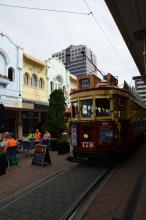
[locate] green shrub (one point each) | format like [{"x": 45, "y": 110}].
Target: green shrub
[
  {"x": 54, "y": 141},
  {"x": 3, "y": 156},
  {"x": 55, "y": 116},
  {"x": 62, "y": 144}
]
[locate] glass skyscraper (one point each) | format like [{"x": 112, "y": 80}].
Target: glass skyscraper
[{"x": 75, "y": 62}]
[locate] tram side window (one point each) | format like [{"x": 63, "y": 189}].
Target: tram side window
[
  {"x": 102, "y": 107},
  {"x": 87, "y": 108},
  {"x": 74, "y": 108},
  {"x": 119, "y": 107}
]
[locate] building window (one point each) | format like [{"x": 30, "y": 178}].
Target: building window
[
  {"x": 57, "y": 83},
  {"x": 11, "y": 74},
  {"x": 79, "y": 49},
  {"x": 51, "y": 86},
  {"x": 40, "y": 83},
  {"x": 25, "y": 79},
  {"x": 33, "y": 81}
]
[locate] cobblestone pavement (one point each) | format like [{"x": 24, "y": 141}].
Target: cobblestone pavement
[
  {"x": 112, "y": 200},
  {"x": 53, "y": 199},
  {"x": 17, "y": 178}
]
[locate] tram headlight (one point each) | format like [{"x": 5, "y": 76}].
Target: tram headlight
[{"x": 86, "y": 135}]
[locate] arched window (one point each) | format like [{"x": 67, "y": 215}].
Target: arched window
[
  {"x": 57, "y": 83},
  {"x": 2, "y": 64},
  {"x": 40, "y": 83},
  {"x": 51, "y": 86},
  {"x": 25, "y": 79},
  {"x": 11, "y": 74},
  {"x": 33, "y": 81}
]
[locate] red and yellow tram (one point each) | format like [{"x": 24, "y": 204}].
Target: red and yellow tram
[{"x": 105, "y": 118}]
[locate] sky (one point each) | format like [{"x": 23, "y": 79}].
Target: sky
[{"x": 43, "y": 33}]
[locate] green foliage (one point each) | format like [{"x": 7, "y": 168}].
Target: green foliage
[
  {"x": 55, "y": 116},
  {"x": 3, "y": 156},
  {"x": 62, "y": 144},
  {"x": 54, "y": 141}
]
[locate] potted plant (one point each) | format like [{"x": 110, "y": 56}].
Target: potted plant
[
  {"x": 53, "y": 143},
  {"x": 3, "y": 163},
  {"x": 63, "y": 147}
]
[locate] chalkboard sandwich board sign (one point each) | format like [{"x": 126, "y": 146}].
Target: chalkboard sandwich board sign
[{"x": 40, "y": 155}]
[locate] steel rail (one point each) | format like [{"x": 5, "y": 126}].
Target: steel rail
[{"x": 36, "y": 184}]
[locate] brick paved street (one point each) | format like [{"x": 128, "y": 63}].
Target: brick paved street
[
  {"x": 52, "y": 199},
  {"x": 17, "y": 178},
  {"x": 113, "y": 198}
]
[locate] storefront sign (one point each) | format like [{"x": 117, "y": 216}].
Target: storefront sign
[
  {"x": 105, "y": 133},
  {"x": 84, "y": 83},
  {"x": 74, "y": 135},
  {"x": 40, "y": 156},
  {"x": 7, "y": 103}
]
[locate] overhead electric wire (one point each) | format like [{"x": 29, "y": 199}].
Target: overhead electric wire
[
  {"x": 107, "y": 37},
  {"x": 44, "y": 9}
]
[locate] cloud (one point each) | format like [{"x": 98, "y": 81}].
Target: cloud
[{"x": 43, "y": 33}]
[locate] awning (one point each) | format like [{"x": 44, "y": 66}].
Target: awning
[
  {"x": 35, "y": 59},
  {"x": 68, "y": 110}
]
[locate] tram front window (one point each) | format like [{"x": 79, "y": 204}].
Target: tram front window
[
  {"x": 87, "y": 108},
  {"x": 102, "y": 107},
  {"x": 74, "y": 109}
]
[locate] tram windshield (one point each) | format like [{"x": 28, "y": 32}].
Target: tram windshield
[
  {"x": 74, "y": 109},
  {"x": 87, "y": 108},
  {"x": 102, "y": 107}
]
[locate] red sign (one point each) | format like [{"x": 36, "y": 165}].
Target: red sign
[{"x": 68, "y": 110}]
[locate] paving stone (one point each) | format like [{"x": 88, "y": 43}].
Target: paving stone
[
  {"x": 48, "y": 215},
  {"x": 13, "y": 213},
  {"x": 26, "y": 209},
  {"x": 3, "y": 217},
  {"x": 37, "y": 212},
  {"x": 37, "y": 218},
  {"x": 24, "y": 216}
]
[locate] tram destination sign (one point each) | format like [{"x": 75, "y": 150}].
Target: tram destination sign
[{"x": 84, "y": 83}]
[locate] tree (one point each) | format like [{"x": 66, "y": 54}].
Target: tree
[{"x": 55, "y": 116}]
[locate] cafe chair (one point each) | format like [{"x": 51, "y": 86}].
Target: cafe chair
[
  {"x": 19, "y": 146},
  {"x": 11, "y": 152},
  {"x": 27, "y": 145}
]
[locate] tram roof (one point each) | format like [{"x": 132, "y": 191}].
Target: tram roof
[{"x": 130, "y": 17}]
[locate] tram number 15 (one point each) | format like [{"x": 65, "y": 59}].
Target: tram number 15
[{"x": 87, "y": 144}]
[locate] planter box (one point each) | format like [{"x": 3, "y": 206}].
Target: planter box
[
  {"x": 3, "y": 165},
  {"x": 63, "y": 150},
  {"x": 4, "y": 81},
  {"x": 54, "y": 147}
]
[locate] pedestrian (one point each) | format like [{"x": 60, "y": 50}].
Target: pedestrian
[
  {"x": 31, "y": 135},
  {"x": 47, "y": 134},
  {"x": 37, "y": 134},
  {"x": 6, "y": 135},
  {"x": 10, "y": 142}
]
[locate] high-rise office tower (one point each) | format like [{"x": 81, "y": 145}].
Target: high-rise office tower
[
  {"x": 75, "y": 62},
  {"x": 141, "y": 88}
]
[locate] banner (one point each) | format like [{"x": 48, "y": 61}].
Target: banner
[{"x": 105, "y": 132}]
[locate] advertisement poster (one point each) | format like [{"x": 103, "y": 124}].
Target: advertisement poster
[
  {"x": 74, "y": 136},
  {"x": 105, "y": 132}
]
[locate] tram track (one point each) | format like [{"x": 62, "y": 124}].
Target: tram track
[
  {"x": 8, "y": 200},
  {"x": 76, "y": 209},
  {"x": 79, "y": 208}
]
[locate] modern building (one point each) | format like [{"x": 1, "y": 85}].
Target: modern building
[
  {"x": 58, "y": 78},
  {"x": 141, "y": 88},
  {"x": 11, "y": 64},
  {"x": 34, "y": 93},
  {"x": 75, "y": 62}
]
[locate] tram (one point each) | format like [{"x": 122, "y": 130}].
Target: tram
[{"x": 105, "y": 119}]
